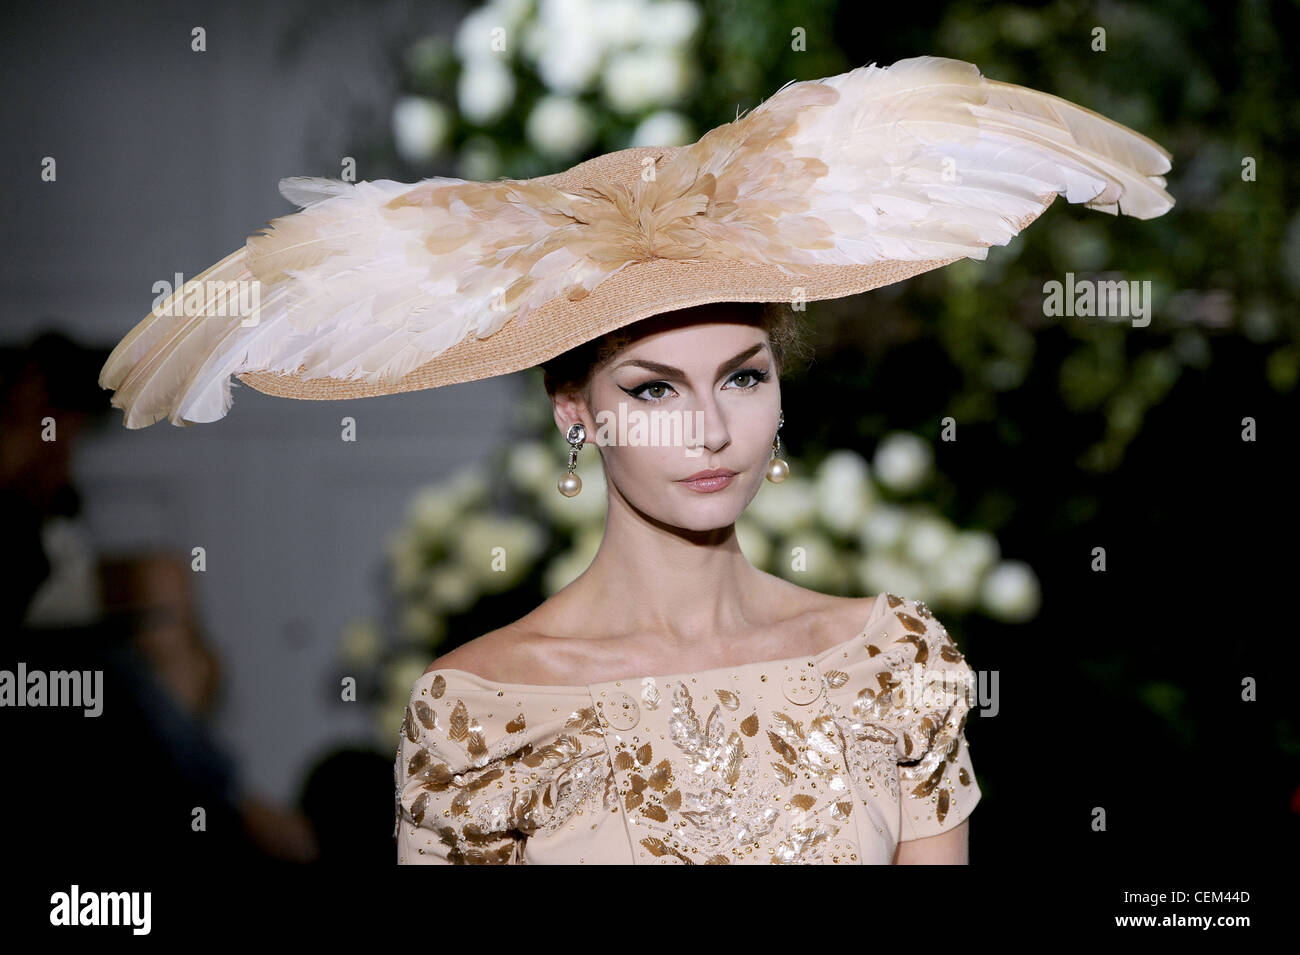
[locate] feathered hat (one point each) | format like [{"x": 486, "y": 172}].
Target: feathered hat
[{"x": 828, "y": 188}]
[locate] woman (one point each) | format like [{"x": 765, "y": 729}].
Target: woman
[
  {"x": 670, "y": 612},
  {"x": 673, "y": 704}
]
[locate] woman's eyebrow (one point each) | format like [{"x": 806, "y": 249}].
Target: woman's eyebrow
[{"x": 671, "y": 372}]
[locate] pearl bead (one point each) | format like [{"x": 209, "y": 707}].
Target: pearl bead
[
  {"x": 570, "y": 484},
  {"x": 777, "y": 470}
]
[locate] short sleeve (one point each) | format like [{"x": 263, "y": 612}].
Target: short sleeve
[
  {"x": 936, "y": 781},
  {"x": 445, "y": 813}
]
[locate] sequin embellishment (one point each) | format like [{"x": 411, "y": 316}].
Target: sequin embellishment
[{"x": 793, "y": 762}]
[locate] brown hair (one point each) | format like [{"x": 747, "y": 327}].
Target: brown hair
[{"x": 572, "y": 370}]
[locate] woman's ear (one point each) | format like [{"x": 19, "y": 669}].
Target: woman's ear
[{"x": 570, "y": 407}]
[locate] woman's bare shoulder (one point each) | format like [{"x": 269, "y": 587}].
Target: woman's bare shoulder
[
  {"x": 831, "y": 607},
  {"x": 497, "y": 655},
  {"x": 843, "y": 618}
]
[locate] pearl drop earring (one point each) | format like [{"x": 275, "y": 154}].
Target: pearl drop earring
[
  {"x": 778, "y": 469},
  {"x": 570, "y": 484}
]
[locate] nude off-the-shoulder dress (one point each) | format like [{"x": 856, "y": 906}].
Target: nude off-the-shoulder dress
[{"x": 826, "y": 759}]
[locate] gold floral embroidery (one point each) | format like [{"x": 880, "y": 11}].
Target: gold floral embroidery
[
  {"x": 482, "y": 824},
  {"x": 910, "y": 622},
  {"x": 896, "y": 744},
  {"x": 731, "y": 807},
  {"x": 922, "y": 648},
  {"x": 743, "y": 783},
  {"x": 725, "y": 806}
]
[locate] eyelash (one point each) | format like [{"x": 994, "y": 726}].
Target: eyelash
[{"x": 758, "y": 374}]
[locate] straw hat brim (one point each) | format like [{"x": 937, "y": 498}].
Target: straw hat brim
[{"x": 638, "y": 291}]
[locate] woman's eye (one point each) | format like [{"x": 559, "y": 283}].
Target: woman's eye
[
  {"x": 644, "y": 391},
  {"x": 756, "y": 375}
]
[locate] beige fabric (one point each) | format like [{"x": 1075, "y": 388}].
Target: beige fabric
[{"x": 825, "y": 759}]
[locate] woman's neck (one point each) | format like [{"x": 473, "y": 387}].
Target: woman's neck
[{"x": 689, "y": 588}]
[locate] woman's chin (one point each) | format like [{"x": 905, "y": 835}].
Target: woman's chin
[{"x": 707, "y": 515}]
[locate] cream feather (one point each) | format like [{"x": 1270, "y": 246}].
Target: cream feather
[{"x": 924, "y": 159}]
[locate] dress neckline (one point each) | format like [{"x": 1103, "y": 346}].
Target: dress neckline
[{"x": 877, "y": 610}]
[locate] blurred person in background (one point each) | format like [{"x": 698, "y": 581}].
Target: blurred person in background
[{"x": 129, "y": 780}]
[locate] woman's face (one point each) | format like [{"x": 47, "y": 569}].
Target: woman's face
[{"x": 713, "y": 383}]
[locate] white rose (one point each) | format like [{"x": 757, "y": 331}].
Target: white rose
[
  {"x": 621, "y": 23},
  {"x": 883, "y": 528},
  {"x": 903, "y": 461},
  {"x": 671, "y": 23},
  {"x": 519, "y": 541},
  {"x": 560, "y": 127},
  {"x": 485, "y": 90},
  {"x": 844, "y": 490},
  {"x": 510, "y": 13},
  {"x": 1011, "y": 592},
  {"x": 818, "y": 567},
  {"x": 663, "y": 128},
  {"x": 475, "y": 37},
  {"x": 432, "y": 511},
  {"x": 884, "y": 573},
  {"x": 566, "y": 45},
  {"x": 785, "y": 507},
  {"x": 453, "y": 587},
  {"x": 531, "y": 467},
  {"x": 420, "y": 128},
  {"x": 953, "y": 583},
  {"x": 925, "y": 538},
  {"x": 976, "y": 551},
  {"x": 646, "y": 78}
]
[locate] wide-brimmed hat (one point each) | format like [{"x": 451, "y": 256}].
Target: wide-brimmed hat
[{"x": 828, "y": 188}]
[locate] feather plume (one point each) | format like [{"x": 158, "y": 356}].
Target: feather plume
[{"x": 925, "y": 159}]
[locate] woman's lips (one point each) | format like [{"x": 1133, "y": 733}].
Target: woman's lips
[{"x": 707, "y": 485}]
